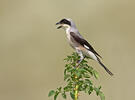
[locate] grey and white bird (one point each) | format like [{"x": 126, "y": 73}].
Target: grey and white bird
[{"x": 77, "y": 42}]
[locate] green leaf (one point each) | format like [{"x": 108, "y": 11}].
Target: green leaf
[
  {"x": 97, "y": 90},
  {"x": 96, "y": 74},
  {"x": 70, "y": 70},
  {"x": 78, "y": 74},
  {"x": 68, "y": 80},
  {"x": 102, "y": 97},
  {"x": 90, "y": 90},
  {"x": 64, "y": 95},
  {"x": 84, "y": 61},
  {"x": 59, "y": 89},
  {"x": 65, "y": 71},
  {"x": 88, "y": 81},
  {"x": 67, "y": 88},
  {"x": 72, "y": 95},
  {"x": 86, "y": 75},
  {"x": 99, "y": 87},
  {"x": 56, "y": 95},
  {"x": 66, "y": 77},
  {"x": 52, "y": 92},
  {"x": 82, "y": 70},
  {"x": 81, "y": 82},
  {"x": 86, "y": 88}
]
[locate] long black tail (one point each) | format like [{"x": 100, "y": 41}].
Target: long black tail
[{"x": 107, "y": 70}]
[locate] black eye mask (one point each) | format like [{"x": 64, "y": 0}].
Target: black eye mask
[{"x": 65, "y": 21}]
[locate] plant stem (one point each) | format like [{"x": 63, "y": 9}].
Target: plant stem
[
  {"x": 76, "y": 87},
  {"x": 76, "y": 92}
]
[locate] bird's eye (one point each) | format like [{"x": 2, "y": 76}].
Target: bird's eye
[{"x": 63, "y": 21}]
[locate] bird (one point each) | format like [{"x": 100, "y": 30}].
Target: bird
[{"x": 78, "y": 43}]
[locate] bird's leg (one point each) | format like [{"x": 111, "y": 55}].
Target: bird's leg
[
  {"x": 79, "y": 61},
  {"x": 81, "y": 57}
]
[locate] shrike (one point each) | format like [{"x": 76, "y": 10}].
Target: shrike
[{"x": 77, "y": 42}]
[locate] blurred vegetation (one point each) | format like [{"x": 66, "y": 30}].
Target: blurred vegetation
[{"x": 78, "y": 79}]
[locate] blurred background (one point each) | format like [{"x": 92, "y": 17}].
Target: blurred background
[{"x": 32, "y": 49}]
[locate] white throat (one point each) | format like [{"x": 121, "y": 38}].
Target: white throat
[{"x": 67, "y": 29}]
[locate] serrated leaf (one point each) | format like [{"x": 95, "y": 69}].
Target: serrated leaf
[
  {"x": 52, "y": 92},
  {"x": 64, "y": 95}
]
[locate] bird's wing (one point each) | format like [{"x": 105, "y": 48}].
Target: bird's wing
[{"x": 84, "y": 43}]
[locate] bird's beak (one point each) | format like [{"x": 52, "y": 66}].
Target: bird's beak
[
  {"x": 58, "y": 23},
  {"x": 59, "y": 26}
]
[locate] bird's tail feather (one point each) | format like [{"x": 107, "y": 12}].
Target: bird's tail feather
[{"x": 107, "y": 70}]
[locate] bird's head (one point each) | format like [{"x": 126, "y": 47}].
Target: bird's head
[{"x": 65, "y": 23}]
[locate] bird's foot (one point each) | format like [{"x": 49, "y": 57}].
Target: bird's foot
[{"x": 79, "y": 61}]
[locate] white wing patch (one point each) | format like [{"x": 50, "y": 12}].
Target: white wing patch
[
  {"x": 92, "y": 56},
  {"x": 86, "y": 47}
]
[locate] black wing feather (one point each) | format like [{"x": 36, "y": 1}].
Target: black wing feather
[{"x": 83, "y": 42}]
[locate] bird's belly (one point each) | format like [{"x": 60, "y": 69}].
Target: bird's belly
[
  {"x": 71, "y": 44},
  {"x": 89, "y": 54},
  {"x": 85, "y": 52}
]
